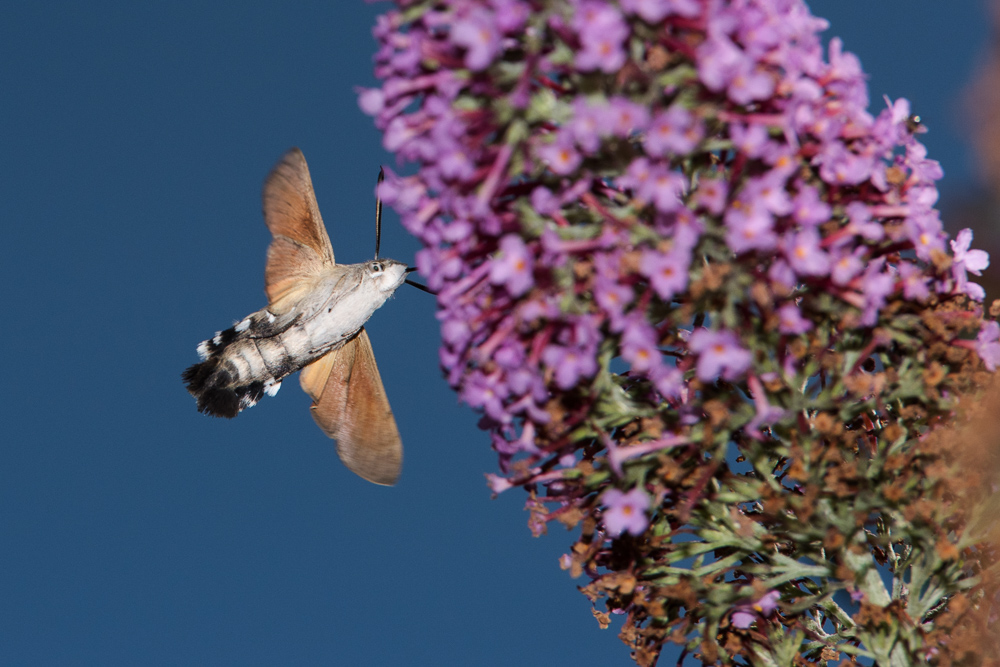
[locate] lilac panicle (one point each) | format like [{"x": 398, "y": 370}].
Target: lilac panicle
[{"x": 666, "y": 234}]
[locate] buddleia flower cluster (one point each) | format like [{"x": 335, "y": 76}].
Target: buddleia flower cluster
[{"x": 707, "y": 310}]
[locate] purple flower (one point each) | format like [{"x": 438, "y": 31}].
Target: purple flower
[
  {"x": 478, "y": 34},
  {"x": 669, "y": 380},
  {"x": 639, "y": 346},
  {"x": 860, "y": 216},
  {"x": 743, "y": 619},
  {"x": 711, "y": 194},
  {"x": 453, "y": 162},
  {"x": 804, "y": 254},
  {"x": 666, "y": 188},
  {"x": 674, "y": 131},
  {"x": 790, "y": 320},
  {"x": 626, "y": 512},
  {"x": 988, "y": 344},
  {"x": 651, "y": 11},
  {"x": 781, "y": 274},
  {"x": 654, "y": 11},
  {"x": 513, "y": 266},
  {"x": 654, "y": 183},
  {"x": 569, "y": 363},
  {"x": 667, "y": 272},
  {"x": 560, "y": 156},
  {"x": 767, "y": 414},
  {"x": 749, "y": 139},
  {"x": 455, "y": 332},
  {"x": 744, "y": 615},
  {"x": 968, "y": 260},
  {"x": 845, "y": 267},
  {"x": 719, "y": 352},
  {"x": 371, "y": 100},
  {"x": 808, "y": 209},
  {"x": 770, "y": 191},
  {"x": 876, "y": 286},
  {"x": 750, "y": 83},
  {"x": 839, "y": 166},
  {"x": 925, "y": 232},
  {"x": 498, "y": 484},
  {"x": 923, "y": 169},
  {"x": 718, "y": 61},
  {"x": 622, "y": 116},
  {"x": 587, "y": 124},
  {"x": 749, "y": 226},
  {"x": 397, "y": 134},
  {"x": 482, "y": 391},
  {"x": 684, "y": 227},
  {"x": 543, "y": 201},
  {"x": 914, "y": 282},
  {"x": 510, "y": 14},
  {"x": 602, "y": 31},
  {"x": 638, "y": 178},
  {"x": 612, "y": 297}
]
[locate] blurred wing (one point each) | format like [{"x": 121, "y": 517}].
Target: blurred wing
[
  {"x": 301, "y": 247},
  {"x": 350, "y": 405}
]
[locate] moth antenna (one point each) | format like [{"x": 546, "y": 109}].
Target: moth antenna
[{"x": 378, "y": 211}]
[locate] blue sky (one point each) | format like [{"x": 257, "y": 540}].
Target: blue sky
[{"x": 133, "y": 530}]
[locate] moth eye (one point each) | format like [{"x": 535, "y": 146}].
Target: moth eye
[{"x": 376, "y": 267}]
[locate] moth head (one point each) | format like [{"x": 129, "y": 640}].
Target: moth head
[{"x": 386, "y": 274}]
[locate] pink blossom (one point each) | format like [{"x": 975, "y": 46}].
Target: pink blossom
[
  {"x": 973, "y": 261},
  {"x": 790, "y": 320},
  {"x": 719, "y": 353},
  {"x": 805, "y": 255},
  {"x": 602, "y": 33},
  {"x": 513, "y": 266},
  {"x": 667, "y": 272},
  {"x": 988, "y": 345},
  {"x": 674, "y": 131},
  {"x": 560, "y": 156},
  {"x": 478, "y": 34},
  {"x": 625, "y": 512},
  {"x": 745, "y": 615}
]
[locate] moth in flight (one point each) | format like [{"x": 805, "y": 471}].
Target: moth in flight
[{"x": 314, "y": 322}]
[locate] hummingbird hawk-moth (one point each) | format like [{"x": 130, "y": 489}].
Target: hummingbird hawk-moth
[{"x": 314, "y": 322}]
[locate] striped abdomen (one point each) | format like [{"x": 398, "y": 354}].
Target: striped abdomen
[{"x": 246, "y": 361}]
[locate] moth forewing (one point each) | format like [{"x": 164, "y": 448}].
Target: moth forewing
[
  {"x": 290, "y": 207},
  {"x": 291, "y": 269}
]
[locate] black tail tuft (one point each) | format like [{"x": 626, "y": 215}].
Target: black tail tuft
[{"x": 213, "y": 387}]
